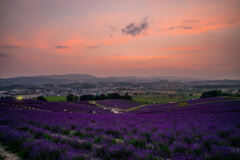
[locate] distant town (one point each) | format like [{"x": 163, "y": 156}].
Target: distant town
[{"x": 138, "y": 88}]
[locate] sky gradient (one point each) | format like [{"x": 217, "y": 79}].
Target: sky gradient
[{"x": 192, "y": 38}]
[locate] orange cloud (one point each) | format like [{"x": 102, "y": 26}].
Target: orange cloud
[
  {"x": 196, "y": 25},
  {"x": 13, "y": 41},
  {"x": 39, "y": 40},
  {"x": 180, "y": 48}
]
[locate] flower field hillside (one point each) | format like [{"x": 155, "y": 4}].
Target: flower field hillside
[{"x": 35, "y": 130}]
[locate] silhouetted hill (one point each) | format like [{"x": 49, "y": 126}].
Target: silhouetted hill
[{"x": 86, "y": 79}]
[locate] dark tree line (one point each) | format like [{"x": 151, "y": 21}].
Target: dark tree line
[
  {"x": 41, "y": 98},
  {"x": 72, "y": 98},
  {"x": 214, "y": 93}
]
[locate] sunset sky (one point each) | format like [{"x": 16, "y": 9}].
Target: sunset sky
[{"x": 192, "y": 38}]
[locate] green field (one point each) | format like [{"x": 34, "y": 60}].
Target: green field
[{"x": 56, "y": 98}]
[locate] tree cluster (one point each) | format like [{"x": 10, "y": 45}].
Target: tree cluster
[
  {"x": 41, "y": 98},
  {"x": 72, "y": 98},
  {"x": 214, "y": 93},
  {"x": 103, "y": 96}
]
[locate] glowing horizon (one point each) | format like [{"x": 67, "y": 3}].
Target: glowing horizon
[{"x": 120, "y": 38}]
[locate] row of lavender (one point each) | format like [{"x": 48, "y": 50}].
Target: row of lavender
[
  {"x": 191, "y": 104},
  {"x": 204, "y": 131},
  {"x": 210, "y": 107},
  {"x": 127, "y": 104},
  {"x": 83, "y": 107}
]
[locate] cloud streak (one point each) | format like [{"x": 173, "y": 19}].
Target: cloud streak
[
  {"x": 61, "y": 47},
  {"x": 135, "y": 29},
  {"x": 180, "y": 27},
  {"x": 3, "y": 55},
  {"x": 9, "y": 47}
]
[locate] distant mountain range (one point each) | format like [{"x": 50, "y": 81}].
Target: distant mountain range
[{"x": 86, "y": 78}]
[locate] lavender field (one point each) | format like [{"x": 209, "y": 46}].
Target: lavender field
[{"x": 202, "y": 130}]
